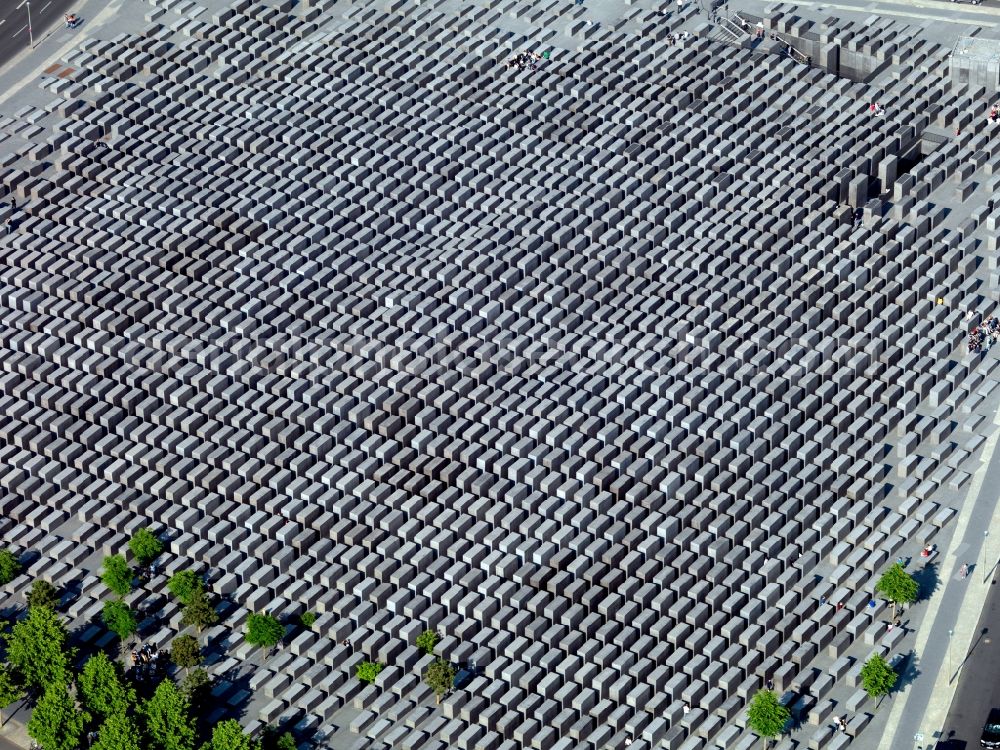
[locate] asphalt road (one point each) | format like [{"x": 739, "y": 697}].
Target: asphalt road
[
  {"x": 979, "y": 686},
  {"x": 14, "y": 23},
  {"x": 7, "y": 745}
]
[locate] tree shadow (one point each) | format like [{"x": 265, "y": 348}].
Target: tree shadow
[
  {"x": 70, "y": 592},
  {"x": 231, "y": 694},
  {"x": 907, "y": 671},
  {"x": 951, "y": 744},
  {"x": 928, "y": 580}
]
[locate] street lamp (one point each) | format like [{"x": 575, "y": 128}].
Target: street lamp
[
  {"x": 950, "y": 634},
  {"x": 987, "y": 573},
  {"x": 31, "y": 38}
]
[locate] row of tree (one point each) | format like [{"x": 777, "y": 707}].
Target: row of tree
[
  {"x": 768, "y": 717},
  {"x": 39, "y": 666}
]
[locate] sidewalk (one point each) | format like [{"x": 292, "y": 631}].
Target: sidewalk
[
  {"x": 55, "y": 43},
  {"x": 13, "y": 734},
  {"x": 919, "y": 712}
]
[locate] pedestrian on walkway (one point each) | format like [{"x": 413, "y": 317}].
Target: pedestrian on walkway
[
  {"x": 843, "y": 724},
  {"x": 13, "y": 204},
  {"x": 10, "y": 225}
]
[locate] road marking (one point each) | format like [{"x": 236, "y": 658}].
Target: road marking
[
  {"x": 45, "y": 6},
  {"x": 20, "y": 29}
]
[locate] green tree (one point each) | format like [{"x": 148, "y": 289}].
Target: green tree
[
  {"x": 272, "y": 740},
  {"x": 10, "y": 690},
  {"x": 102, "y": 687},
  {"x": 439, "y": 677},
  {"x": 877, "y": 677},
  {"x": 36, "y": 648},
  {"x": 56, "y": 723},
  {"x": 196, "y": 686},
  {"x": 168, "y": 719},
  {"x": 117, "y": 575},
  {"x": 10, "y": 566},
  {"x": 185, "y": 652},
  {"x": 308, "y": 619},
  {"x": 119, "y": 732},
  {"x": 183, "y": 584},
  {"x": 118, "y": 618},
  {"x": 367, "y": 671},
  {"x": 228, "y": 735},
  {"x": 145, "y": 546},
  {"x": 898, "y": 586},
  {"x": 766, "y": 715},
  {"x": 42, "y": 594},
  {"x": 264, "y": 630},
  {"x": 198, "y": 611},
  {"x": 427, "y": 640}
]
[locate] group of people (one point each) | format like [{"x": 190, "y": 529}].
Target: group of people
[
  {"x": 681, "y": 36},
  {"x": 524, "y": 61},
  {"x": 840, "y": 722},
  {"x": 72, "y": 19},
  {"x": 984, "y": 335},
  {"x": 876, "y": 109},
  {"x": 147, "y": 661}
]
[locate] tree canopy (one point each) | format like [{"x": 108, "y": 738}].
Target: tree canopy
[
  {"x": 42, "y": 594},
  {"x": 10, "y": 566},
  {"x": 196, "y": 685},
  {"x": 183, "y": 584},
  {"x": 169, "y": 724},
  {"x": 198, "y": 610},
  {"x": 440, "y": 677},
  {"x": 228, "y": 735},
  {"x": 118, "y": 618},
  {"x": 56, "y": 723},
  {"x": 766, "y": 715},
  {"x": 427, "y": 640},
  {"x": 36, "y": 648},
  {"x": 145, "y": 546},
  {"x": 308, "y": 619},
  {"x": 877, "y": 677},
  {"x": 117, "y": 575},
  {"x": 102, "y": 687},
  {"x": 264, "y": 630},
  {"x": 368, "y": 671},
  {"x": 119, "y": 732},
  {"x": 185, "y": 651},
  {"x": 274, "y": 739},
  {"x": 898, "y": 586}
]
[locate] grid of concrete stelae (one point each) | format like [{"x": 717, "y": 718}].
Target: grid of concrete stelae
[{"x": 588, "y": 367}]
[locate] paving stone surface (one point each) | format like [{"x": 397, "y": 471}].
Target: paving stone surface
[{"x": 628, "y": 371}]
